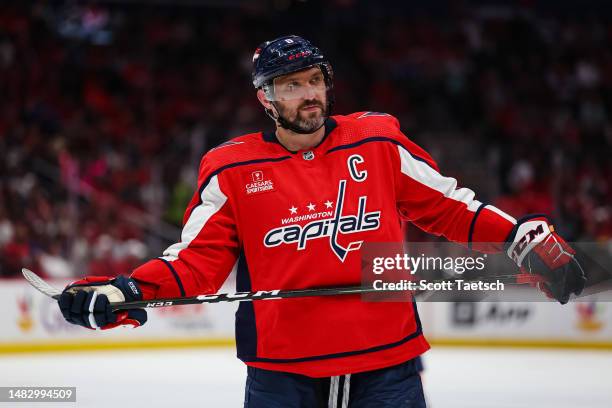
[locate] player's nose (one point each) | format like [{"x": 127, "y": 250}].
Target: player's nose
[{"x": 310, "y": 93}]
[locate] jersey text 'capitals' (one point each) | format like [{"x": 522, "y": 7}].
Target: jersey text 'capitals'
[{"x": 328, "y": 227}]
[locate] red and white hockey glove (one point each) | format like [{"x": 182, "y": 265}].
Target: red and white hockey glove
[
  {"x": 546, "y": 261},
  {"x": 87, "y": 302}
]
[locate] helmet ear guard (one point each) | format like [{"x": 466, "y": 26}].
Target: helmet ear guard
[{"x": 328, "y": 75}]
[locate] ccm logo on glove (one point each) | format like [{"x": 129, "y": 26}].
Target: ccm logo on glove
[{"x": 530, "y": 232}]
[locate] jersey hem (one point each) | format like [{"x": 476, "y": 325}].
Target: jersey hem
[{"x": 352, "y": 364}]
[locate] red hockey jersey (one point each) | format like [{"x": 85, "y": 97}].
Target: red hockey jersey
[{"x": 293, "y": 220}]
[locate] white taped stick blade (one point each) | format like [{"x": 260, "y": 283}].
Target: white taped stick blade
[{"x": 40, "y": 284}]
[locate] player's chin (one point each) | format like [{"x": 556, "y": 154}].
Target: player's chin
[
  {"x": 312, "y": 124},
  {"x": 311, "y": 116}
]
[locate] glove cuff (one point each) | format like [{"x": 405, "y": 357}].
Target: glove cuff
[{"x": 128, "y": 287}]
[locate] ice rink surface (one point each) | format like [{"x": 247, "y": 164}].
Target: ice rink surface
[{"x": 454, "y": 377}]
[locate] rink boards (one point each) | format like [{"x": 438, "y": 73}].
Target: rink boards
[{"x": 32, "y": 322}]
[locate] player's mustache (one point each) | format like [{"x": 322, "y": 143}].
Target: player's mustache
[{"x": 311, "y": 103}]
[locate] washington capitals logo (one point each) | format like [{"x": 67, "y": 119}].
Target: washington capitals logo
[{"x": 332, "y": 227}]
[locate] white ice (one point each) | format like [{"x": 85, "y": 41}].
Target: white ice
[{"x": 454, "y": 377}]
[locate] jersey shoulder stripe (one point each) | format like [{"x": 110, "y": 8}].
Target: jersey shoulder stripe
[
  {"x": 373, "y": 119},
  {"x": 239, "y": 149},
  {"x": 362, "y": 128}
]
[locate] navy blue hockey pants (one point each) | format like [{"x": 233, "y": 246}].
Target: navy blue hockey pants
[{"x": 391, "y": 387}]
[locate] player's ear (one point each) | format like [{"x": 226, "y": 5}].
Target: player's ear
[{"x": 261, "y": 95}]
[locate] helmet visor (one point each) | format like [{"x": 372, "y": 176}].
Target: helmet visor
[{"x": 307, "y": 84}]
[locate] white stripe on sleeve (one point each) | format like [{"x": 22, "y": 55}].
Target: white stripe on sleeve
[
  {"x": 212, "y": 200},
  {"x": 501, "y": 213},
  {"x": 424, "y": 174}
]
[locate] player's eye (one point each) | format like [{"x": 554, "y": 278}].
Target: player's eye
[
  {"x": 292, "y": 86},
  {"x": 316, "y": 80}
]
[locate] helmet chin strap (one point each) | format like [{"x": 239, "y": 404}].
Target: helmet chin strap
[{"x": 282, "y": 122}]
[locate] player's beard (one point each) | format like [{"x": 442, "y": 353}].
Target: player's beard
[{"x": 307, "y": 122}]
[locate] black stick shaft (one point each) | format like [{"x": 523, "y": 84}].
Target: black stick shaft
[
  {"x": 273, "y": 294},
  {"x": 242, "y": 296}
]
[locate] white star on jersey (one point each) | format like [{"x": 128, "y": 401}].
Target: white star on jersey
[
  {"x": 311, "y": 207},
  {"x": 329, "y": 204},
  {"x": 293, "y": 209}
]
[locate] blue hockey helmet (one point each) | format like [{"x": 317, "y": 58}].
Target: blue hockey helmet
[{"x": 285, "y": 55}]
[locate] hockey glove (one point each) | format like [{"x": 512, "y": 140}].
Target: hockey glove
[
  {"x": 87, "y": 302},
  {"x": 545, "y": 259}
]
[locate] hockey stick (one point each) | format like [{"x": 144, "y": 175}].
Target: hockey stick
[
  {"x": 40, "y": 284},
  {"x": 54, "y": 293}
]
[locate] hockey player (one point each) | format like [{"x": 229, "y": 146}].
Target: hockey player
[{"x": 289, "y": 209}]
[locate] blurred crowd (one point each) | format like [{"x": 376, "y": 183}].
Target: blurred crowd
[{"x": 106, "y": 110}]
